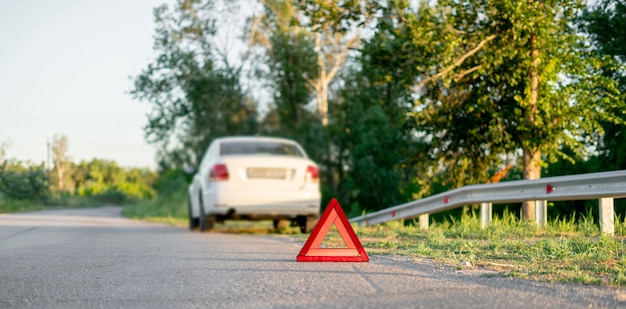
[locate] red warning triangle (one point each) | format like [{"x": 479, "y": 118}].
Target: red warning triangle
[{"x": 311, "y": 252}]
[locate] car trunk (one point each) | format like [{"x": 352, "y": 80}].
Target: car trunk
[{"x": 270, "y": 172}]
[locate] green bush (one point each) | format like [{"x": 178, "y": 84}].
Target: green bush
[
  {"x": 111, "y": 196},
  {"x": 24, "y": 181},
  {"x": 107, "y": 182},
  {"x": 170, "y": 206},
  {"x": 135, "y": 190},
  {"x": 173, "y": 181}
]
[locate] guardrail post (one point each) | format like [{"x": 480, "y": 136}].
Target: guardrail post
[
  {"x": 541, "y": 213},
  {"x": 485, "y": 214},
  {"x": 607, "y": 216},
  {"x": 423, "y": 221}
]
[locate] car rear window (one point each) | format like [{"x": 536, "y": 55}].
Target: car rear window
[{"x": 259, "y": 147}]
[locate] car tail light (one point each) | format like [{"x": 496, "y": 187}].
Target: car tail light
[
  {"x": 312, "y": 174},
  {"x": 219, "y": 172}
]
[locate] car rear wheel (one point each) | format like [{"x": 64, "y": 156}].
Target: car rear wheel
[
  {"x": 307, "y": 223},
  {"x": 193, "y": 222},
  {"x": 281, "y": 224},
  {"x": 205, "y": 223}
]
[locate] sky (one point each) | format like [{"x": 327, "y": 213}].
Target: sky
[{"x": 66, "y": 68}]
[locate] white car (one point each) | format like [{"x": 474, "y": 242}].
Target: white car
[{"x": 255, "y": 178}]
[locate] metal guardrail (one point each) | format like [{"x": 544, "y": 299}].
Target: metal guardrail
[{"x": 572, "y": 187}]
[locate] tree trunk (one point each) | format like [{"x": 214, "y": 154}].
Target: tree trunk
[
  {"x": 532, "y": 155},
  {"x": 322, "y": 82},
  {"x": 324, "y": 105},
  {"x": 60, "y": 174},
  {"x": 532, "y": 170}
]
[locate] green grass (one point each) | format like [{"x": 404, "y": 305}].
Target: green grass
[
  {"x": 565, "y": 251},
  {"x": 8, "y": 205},
  {"x": 168, "y": 209}
]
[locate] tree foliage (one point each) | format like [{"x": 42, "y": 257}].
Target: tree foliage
[
  {"x": 372, "y": 108},
  {"x": 21, "y": 181},
  {"x": 195, "y": 93},
  {"x": 287, "y": 56},
  {"x": 105, "y": 180},
  {"x": 605, "y": 23}
]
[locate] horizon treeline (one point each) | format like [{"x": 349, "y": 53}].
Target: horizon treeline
[{"x": 102, "y": 180}]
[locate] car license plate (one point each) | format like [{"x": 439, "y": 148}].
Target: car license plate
[{"x": 269, "y": 173}]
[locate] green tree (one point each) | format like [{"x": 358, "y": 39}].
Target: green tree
[
  {"x": 61, "y": 173},
  {"x": 105, "y": 180},
  {"x": 290, "y": 63},
  {"x": 495, "y": 81},
  {"x": 24, "y": 181},
  {"x": 605, "y": 23},
  {"x": 287, "y": 56},
  {"x": 195, "y": 93},
  {"x": 372, "y": 128},
  {"x": 513, "y": 78}
]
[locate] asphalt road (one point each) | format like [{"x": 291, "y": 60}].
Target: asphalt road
[{"x": 93, "y": 258}]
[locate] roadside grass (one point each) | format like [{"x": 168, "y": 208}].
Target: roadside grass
[
  {"x": 168, "y": 209},
  {"x": 565, "y": 251},
  {"x": 8, "y": 205}
]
